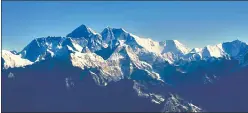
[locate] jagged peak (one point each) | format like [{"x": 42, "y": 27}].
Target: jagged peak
[
  {"x": 114, "y": 29},
  {"x": 237, "y": 41},
  {"x": 107, "y": 29},
  {"x": 121, "y": 29},
  {"x": 172, "y": 42},
  {"x": 172, "y": 45},
  {"x": 83, "y": 27},
  {"x": 82, "y": 31},
  {"x": 176, "y": 42},
  {"x": 43, "y": 40},
  {"x": 48, "y": 38}
]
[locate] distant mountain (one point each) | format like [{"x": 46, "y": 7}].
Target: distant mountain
[
  {"x": 146, "y": 49},
  {"x": 118, "y": 71},
  {"x": 234, "y": 49}
]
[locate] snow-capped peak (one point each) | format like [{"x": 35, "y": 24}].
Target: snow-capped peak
[
  {"x": 82, "y": 31},
  {"x": 233, "y": 49},
  {"x": 121, "y": 29},
  {"x": 109, "y": 34},
  {"x": 237, "y": 41},
  {"x": 10, "y": 60},
  {"x": 84, "y": 39},
  {"x": 148, "y": 44},
  {"x": 43, "y": 48},
  {"x": 175, "y": 47},
  {"x": 173, "y": 41},
  {"x": 215, "y": 51}
]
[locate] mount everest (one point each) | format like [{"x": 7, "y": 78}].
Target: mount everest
[{"x": 156, "y": 76}]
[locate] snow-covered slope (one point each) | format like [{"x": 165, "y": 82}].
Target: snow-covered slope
[
  {"x": 149, "y": 44},
  {"x": 10, "y": 60},
  {"x": 101, "y": 71},
  {"x": 210, "y": 51},
  {"x": 82, "y": 32},
  {"x": 43, "y": 48},
  {"x": 85, "y": 36},
  {"x": 129, "y": 62},
  {"x": 235, "y": 49},
  {"x": 175, "y": 47},
  {"x": 147, "y": 49},
  {"x": 47, "y": 47},
  {"x": 84, "y": 39},
  {"x": 122, "y": 63}
]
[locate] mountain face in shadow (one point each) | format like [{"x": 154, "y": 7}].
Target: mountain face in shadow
[
  {"x": 55, "y": 86},
  {"x": 227, "y": 94},
  {"x": 219, "y": 85}
]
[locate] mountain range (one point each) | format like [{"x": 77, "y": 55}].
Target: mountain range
[{"x": 118, "y": 71}]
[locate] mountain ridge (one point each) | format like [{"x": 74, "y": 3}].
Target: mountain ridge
[
  {"x": 84, "y": 39},
  {"x": 170, "y": 50},
  {"x": 152, "y": 68}
]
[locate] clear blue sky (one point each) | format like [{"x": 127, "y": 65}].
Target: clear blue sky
[{"x": 195, "y": 24}]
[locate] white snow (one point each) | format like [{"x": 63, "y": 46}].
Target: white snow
[
  {"x": 216, "y": 50},
  {"x": 176, "y": 104},
  {"x": 169, "y": 57},
  {"x": 77, "y": 47},
  {"x": 146, "y": 49},
  {"x": 196, "y": 50},
  {"x": 122, "y": 42},
  {"x": 87, "y": 60},
  {"x": 92, "y": 31},
  {"x": 148, "y": 44},
  {"x": 105, "y": 45},
  {"x": 52, "y": 54},
  {"x": 181, "y": 47},
  {"x": 108, "y": 69},
  {"x": 12, "y": 60},
  {"x": 59, "y": 46},
  {"x": 175, "y": 47},
  {"x": 194, "y": 107}
]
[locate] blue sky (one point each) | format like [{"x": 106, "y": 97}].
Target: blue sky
[{"x": 195, "y": 24}]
